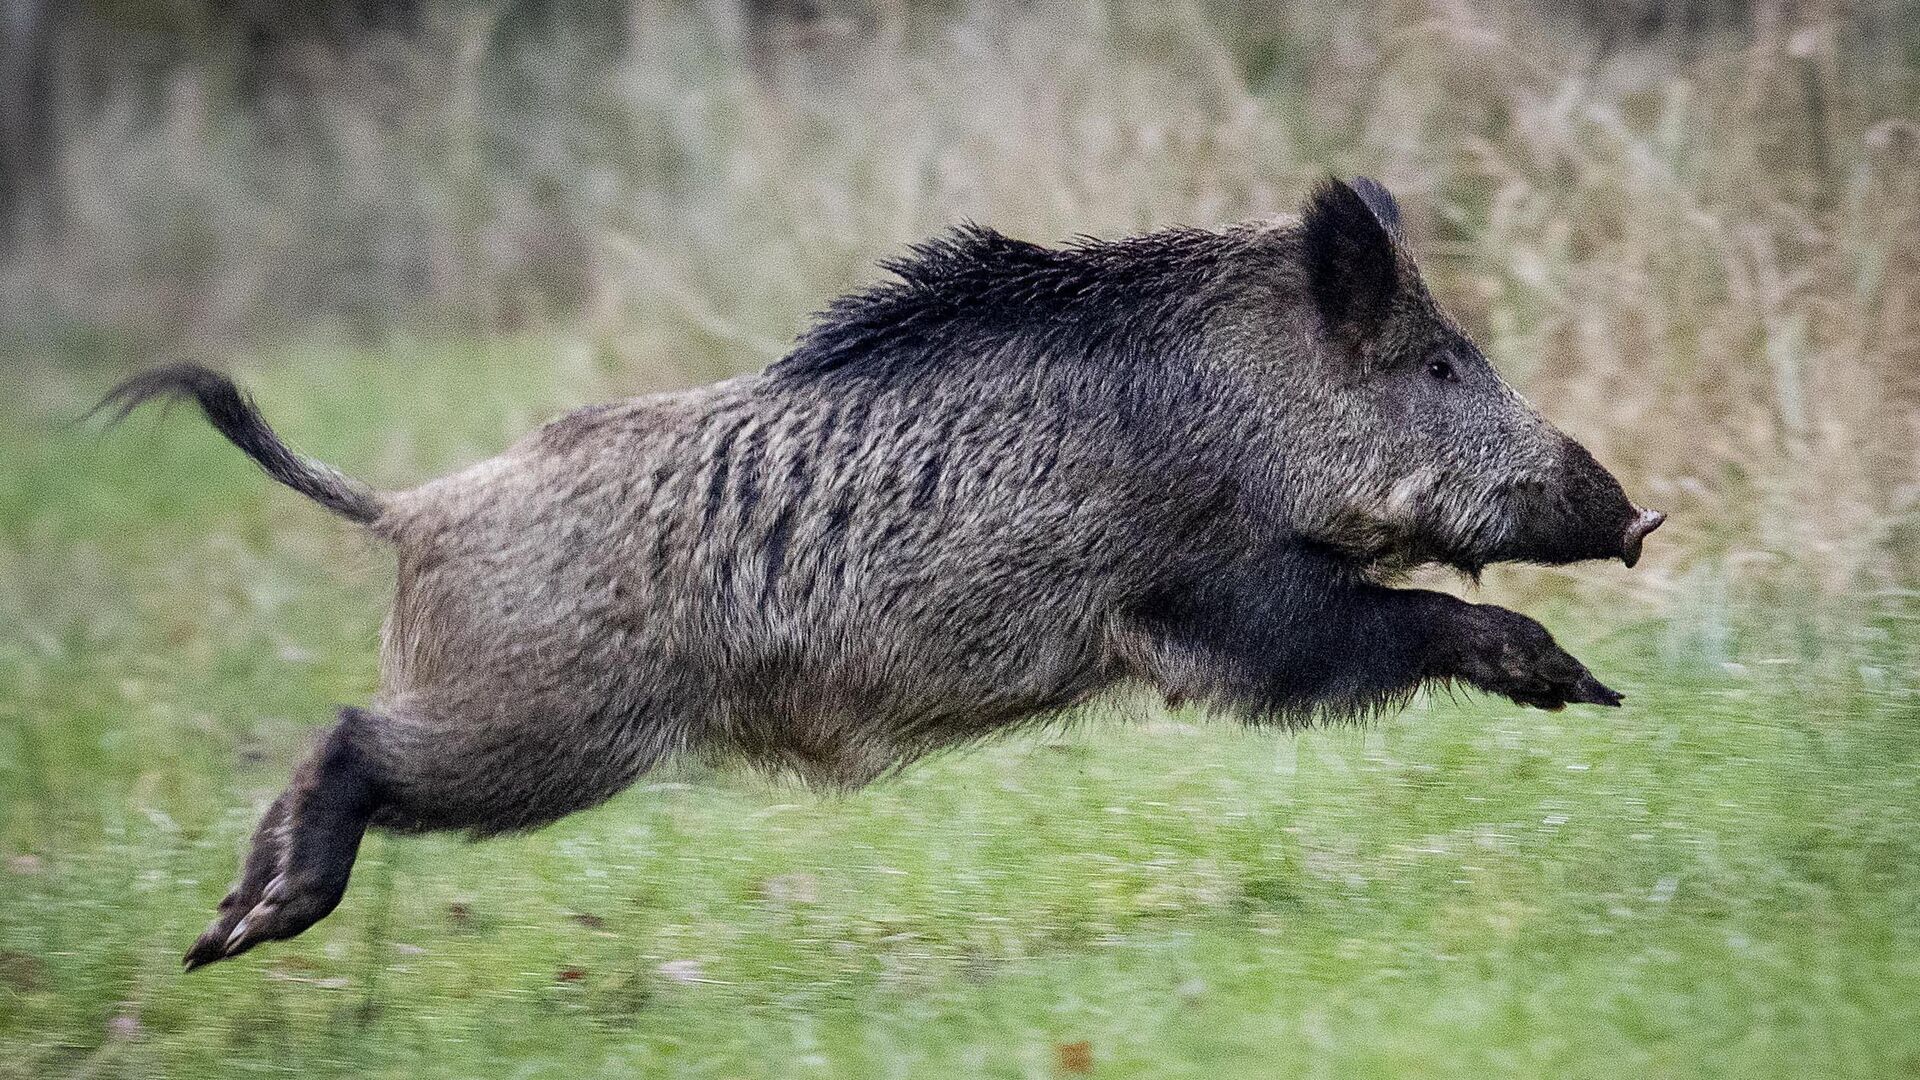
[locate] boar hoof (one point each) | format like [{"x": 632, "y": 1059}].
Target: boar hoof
[
  {"x": 1513, "y": 656},
  {"x": 286, "y": 908}
]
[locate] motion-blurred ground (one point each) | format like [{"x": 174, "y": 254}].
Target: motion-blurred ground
[{"x": 1690, "y": 231}]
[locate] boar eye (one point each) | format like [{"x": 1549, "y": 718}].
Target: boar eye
[{"x": 1441, "y": 370}]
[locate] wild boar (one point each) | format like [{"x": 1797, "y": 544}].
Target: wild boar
[{"x": 972, "y": 498}]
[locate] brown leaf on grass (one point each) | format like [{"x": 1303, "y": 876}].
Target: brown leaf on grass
[
  {"x": 1074, "y": 1058},
  {"x": 23, "y": 972},
  {"x": 572, "y": 974},
  {"x": 591, "y": 922}
]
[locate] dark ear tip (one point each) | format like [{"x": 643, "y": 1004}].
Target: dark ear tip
[
  {"x": 1331, "y": 192},
  {"x": 1334, "y": 199},
  {"x": 1378, "y": 199}
]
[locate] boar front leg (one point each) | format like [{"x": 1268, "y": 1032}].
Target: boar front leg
[
  {"x": 1290, "y": 636},
  {"x": 1507, "y": 653}
]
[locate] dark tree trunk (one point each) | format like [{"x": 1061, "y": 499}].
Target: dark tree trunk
[{"x": 27, "y": 121}]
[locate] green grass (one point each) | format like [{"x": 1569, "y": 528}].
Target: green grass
[{"x": 1722, "y": 878}]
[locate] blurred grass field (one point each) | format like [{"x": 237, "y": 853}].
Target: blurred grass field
[
  {"x": 1721, "y": 878},
  {"x": 1687, "y": 229}
]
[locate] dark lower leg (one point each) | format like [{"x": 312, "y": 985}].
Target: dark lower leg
[
  {"x": 303, "y": 850},
  {"x": 263, "y": 862}
]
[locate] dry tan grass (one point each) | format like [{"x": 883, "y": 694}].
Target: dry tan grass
[{"x": 1702, "y": 257}]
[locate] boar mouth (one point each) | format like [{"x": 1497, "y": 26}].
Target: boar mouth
[
  {"x": 1387, "y": 547},
  {"x": 1416, "y": 525}
]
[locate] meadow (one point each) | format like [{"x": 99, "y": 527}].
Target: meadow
[
  {"x": 1721, "y": 878},
  {"x": 1693, "y": 246}
]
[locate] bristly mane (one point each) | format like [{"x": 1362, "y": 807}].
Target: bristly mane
[{"x": 975, "y": 291}]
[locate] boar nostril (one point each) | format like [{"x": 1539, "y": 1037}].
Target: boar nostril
[{"x": 1643, "y": 523}]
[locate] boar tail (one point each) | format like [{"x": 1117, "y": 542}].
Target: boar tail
[{"x": 233, "y": 414}]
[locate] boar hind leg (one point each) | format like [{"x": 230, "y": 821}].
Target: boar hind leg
[
  {"x": 489, "y": 759},
  {"x": 303, "y": 848}
]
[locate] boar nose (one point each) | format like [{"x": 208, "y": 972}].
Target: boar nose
[{"x": 1643, "y": 523}]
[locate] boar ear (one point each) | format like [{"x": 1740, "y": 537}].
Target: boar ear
[
  {"x": 1379, "y": 200},
  {"x": 1352, "y": 264}
]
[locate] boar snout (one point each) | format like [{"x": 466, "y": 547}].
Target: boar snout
[
  {"x": 1577, "y": 511},
  {"x": 1644, "y": 521}
]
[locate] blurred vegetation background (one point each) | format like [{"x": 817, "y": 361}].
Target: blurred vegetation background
[{"x": 1688, "y": 229}]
